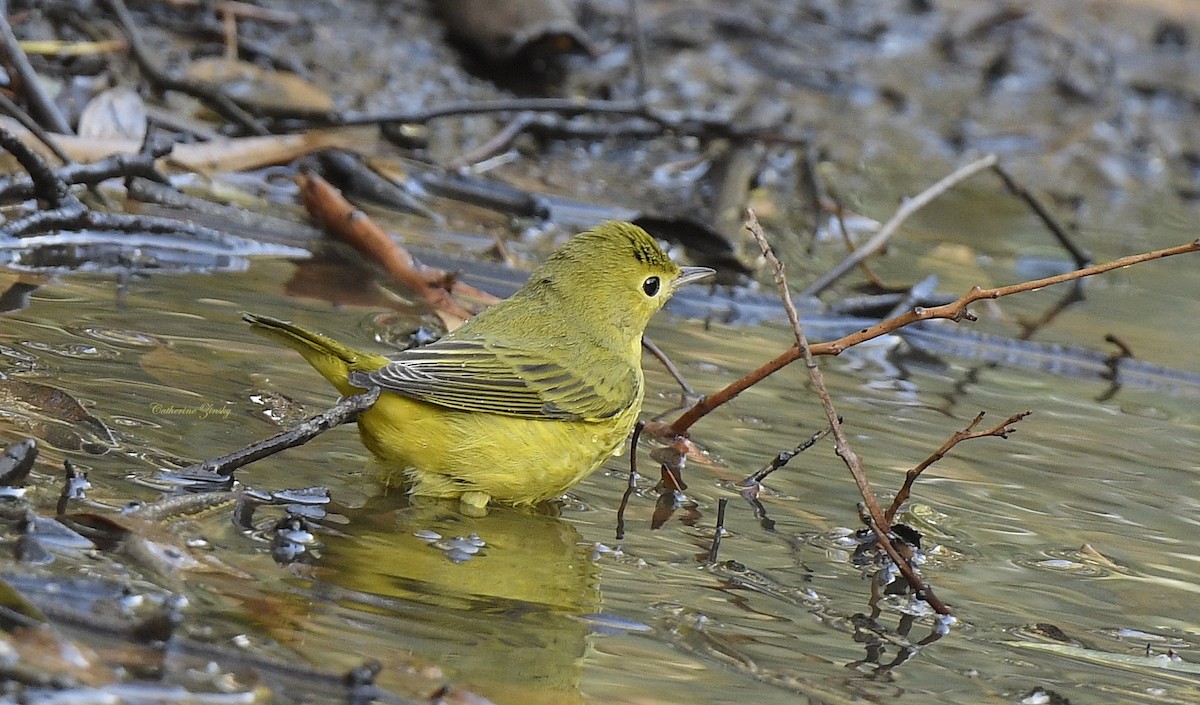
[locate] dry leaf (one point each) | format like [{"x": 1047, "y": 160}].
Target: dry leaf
[{"x": 117, "y": 113}]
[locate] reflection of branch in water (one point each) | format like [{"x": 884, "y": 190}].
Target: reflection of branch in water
[
  {"x": 876, "y": 639},
  {"x": 1028, "y": 328}
]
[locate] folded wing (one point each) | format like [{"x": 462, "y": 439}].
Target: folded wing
[{"x": 476, "y": 375}]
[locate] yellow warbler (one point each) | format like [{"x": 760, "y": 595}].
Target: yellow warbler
[{"x": 530, "y": 396}]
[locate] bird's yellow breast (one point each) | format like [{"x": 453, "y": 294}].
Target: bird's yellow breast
[{"x": 443, "y": 452}]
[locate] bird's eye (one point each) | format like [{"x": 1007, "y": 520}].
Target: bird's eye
[{"x": 650, "y": 286}]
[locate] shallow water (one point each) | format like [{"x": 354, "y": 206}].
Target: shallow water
[{"x": 555, "y": 609}]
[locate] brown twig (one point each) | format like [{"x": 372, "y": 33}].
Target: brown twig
[
  {"x": 890, "y": 228},
  {"x": 1001, "y": 430},
  {"x": 353, "y": 227},
  {"x": 876, "y": 520},
  {"x": 954, "y": 311}
]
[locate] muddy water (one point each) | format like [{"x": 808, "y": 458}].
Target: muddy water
[{"x": 555, "y": 609}]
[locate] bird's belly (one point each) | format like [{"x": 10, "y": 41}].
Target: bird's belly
[{"x": 443, "y": 452}]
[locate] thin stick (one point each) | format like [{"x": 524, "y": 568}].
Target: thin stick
[
  {"x": 1081, "y": 257},
  {"x": 13, "y": 110},
  {"x": 890, "y": 228},
  {"x": 674, "y": 121},
  {"x": 214, "y": 97},
  {"x": 878, "y": 522},
  {"x": 1001, "y": 430},
  {"x": 631, "y": 486},
  {"x": 638, "y": 39},
  {"x": 41, "y": 104},
  {"x": 954, "y": 311},
  {"x": 346, "y": 410},
  {"x": 782, "y": 458},
  {"x": 494, "y": 144},
  {"x": 720, "y": 530},
  {"x": 652, "y": 348},
  {"x": 839, "y": 214}
]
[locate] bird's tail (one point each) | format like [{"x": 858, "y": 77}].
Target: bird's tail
[{"x": 333, "y": 360}]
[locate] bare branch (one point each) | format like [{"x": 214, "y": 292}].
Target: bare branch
[
  {"x": 955, "y": 311},
  {"x": 1000, "y": 430},
  {"x": 874, "y": 515},
  {"x": 903, "y": 213}
]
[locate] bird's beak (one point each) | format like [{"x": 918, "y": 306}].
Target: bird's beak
[{"x": 691, "y": 275}]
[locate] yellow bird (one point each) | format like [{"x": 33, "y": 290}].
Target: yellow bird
[{"x": 527, "y": 398}]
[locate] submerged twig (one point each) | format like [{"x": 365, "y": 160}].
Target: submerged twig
[
  {"x": 652, "y": 348},
  {"x": 782, "y": 458},
  {"x": 839, "y": 215}
]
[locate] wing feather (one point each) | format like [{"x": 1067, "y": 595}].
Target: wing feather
[{"x": 475, "y": 375}]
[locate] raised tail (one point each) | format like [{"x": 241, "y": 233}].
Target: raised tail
[{"x": 333, "y": 360}]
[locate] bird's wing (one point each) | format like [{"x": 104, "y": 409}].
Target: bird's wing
[{"x": 475, "y": 375}]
